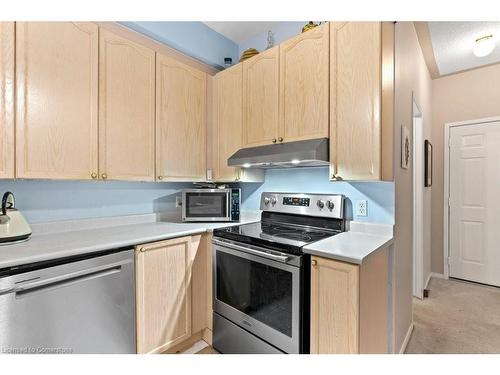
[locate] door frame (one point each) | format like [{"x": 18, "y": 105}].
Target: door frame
[
  {"x": 418, "y": 213},
  {"x": 446, "y": 189}
]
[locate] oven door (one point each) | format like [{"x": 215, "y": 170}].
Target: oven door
[
  {"x": 206, "y": 205},
  {"x": 261, "y": 294}
]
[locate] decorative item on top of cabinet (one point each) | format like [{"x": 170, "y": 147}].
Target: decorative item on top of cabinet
[
  {"x": 361, "y": 100},
  {"x": 126, "y": 109},
  {"x": 7, "y": 51},
  {"x": 261, "y": 98},
  {"x": 228, "y": 127},
  {"x": 304, "y": 85},
  {"x": 56, "y": 115},
  {"x": 181, "y": 118},
  {"x": 163, "y": 287},
  {"x": 349, "y": 305}
]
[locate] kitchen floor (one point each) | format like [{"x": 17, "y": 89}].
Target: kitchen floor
[{"x": 458, "y": 317}]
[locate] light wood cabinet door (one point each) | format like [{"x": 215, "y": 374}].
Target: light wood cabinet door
[
  {"x": 163, "y": 292},
  {"x": 334, "y": 307},
  {"x": 228, "y": 121},
  {"x": 7, "y": 51},
  {"x": 261, "y": 98},
  {"x": 56, "y": 84},
  {"x": 355, "y": 100},
  {"x": 181, "y": 116},
  {"x": 126, "y": 109},
  {"x": 304, "y": 85}
]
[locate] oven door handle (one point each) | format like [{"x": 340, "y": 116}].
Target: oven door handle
[{"x": 262, "y": 253}]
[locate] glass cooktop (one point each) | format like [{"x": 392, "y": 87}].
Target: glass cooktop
[{"x": 281, "y": 236}]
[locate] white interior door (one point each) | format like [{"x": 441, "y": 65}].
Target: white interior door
[{"x": 474, "y": 221}]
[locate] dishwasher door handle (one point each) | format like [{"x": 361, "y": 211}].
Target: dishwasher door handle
[{"x": 65, "y": 280}]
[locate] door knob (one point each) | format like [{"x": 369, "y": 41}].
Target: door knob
[
  {"x": 104, "y": 176},
  {"x": 93, "y": 175},
  {"x": 160, "y": 178},
  {"x": 274, "y": 140},
  {"x": 314, "y": 262},
  {"x": 280, "y": 139}
]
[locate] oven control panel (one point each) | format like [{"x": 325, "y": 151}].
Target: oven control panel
[
  {"x": 304, "y": 204},
  {"x": 296, "y": 201}
]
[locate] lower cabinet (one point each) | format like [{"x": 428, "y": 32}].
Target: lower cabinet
[
  {"x": 349, "y": 305},
  {"x": 172, "y": 282}
]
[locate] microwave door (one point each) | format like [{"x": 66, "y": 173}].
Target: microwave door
[{"x": 206, "y": 206}]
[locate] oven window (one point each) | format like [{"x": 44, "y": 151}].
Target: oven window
[
  {"x": 260, "y": 291},
  {"x": 206, "y": 205}
]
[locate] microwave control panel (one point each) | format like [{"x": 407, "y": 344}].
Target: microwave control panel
[{"x": 235, "y": 204}]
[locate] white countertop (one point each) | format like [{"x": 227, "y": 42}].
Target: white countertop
[
  {"x": 47, "y": 245},
  {"x": 355, "y": 245},
  {"x": 63, "y": 239}
]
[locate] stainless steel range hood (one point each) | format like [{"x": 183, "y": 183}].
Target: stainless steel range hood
[{"x": 309, "y": 153}]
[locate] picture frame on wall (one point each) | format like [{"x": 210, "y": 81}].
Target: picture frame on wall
[
  {"x": 405, "y": 147},
  {"x": 428, "y": 163}
]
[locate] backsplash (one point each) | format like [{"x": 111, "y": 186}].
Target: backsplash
[
  {"x": 380, "y": 195},
  {"x": 46, "y": 200}
]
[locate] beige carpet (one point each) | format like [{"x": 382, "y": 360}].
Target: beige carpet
[{"x": 458, "y": 317}]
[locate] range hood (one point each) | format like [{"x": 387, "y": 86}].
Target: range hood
[{"x": 308, "y": 153}]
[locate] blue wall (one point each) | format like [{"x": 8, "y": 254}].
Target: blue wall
[
  {"x": 380, "y": 195},
  {"x": 192, "y": 38},
  {"x": 45, "y": 200},
  {"x": 282, "y": 32}
]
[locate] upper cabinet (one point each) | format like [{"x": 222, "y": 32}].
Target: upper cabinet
[
  {"x": 361, "y": 128},
  {"x": 56, "y": 84},
  {"x": 228, "y": 121},
  {"x": 261, "y": 98},
  {"x": 126, "y": 109},
  {"x": 304, "y": 85},
  {"x": 181, "y": 116},
  {"x": 7, "y": 48},
  {"x": 228, "y": 127}
]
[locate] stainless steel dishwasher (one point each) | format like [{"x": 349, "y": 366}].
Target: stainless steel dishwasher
[{"x": 83, "y": 304}]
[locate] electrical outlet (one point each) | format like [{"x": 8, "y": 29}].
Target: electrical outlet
[
  {"x": 362, "y": 207},
  {"x": 178, "y": 201}
]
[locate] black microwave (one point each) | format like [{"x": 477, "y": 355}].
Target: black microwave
[{"x": 211, "y": 204}]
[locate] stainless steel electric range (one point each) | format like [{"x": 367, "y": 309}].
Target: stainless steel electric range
[{"x": 261, "y": 276}]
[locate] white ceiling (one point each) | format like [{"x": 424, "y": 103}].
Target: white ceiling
[
  {"x": 240, "y": 32},
  {"x": 452, "y": 43}
]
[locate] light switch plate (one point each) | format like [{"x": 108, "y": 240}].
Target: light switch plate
[{"x": 362, "y": 207}]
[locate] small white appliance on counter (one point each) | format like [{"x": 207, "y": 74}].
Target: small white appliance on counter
[{"x": 13, "y": 225}]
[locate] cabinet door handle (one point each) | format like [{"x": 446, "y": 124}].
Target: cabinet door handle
[
  {"x": 274, "y": 140},
  {"x": 314, "y": 262},
  {"x": 93, "y": 175},
  {"x": 160, "y": 178},
  {"x": 280, "y": 139},
  {"x": 104, "y": 176}
]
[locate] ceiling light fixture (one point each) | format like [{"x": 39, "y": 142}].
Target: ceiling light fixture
[{"x": 483, "y": 46}]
